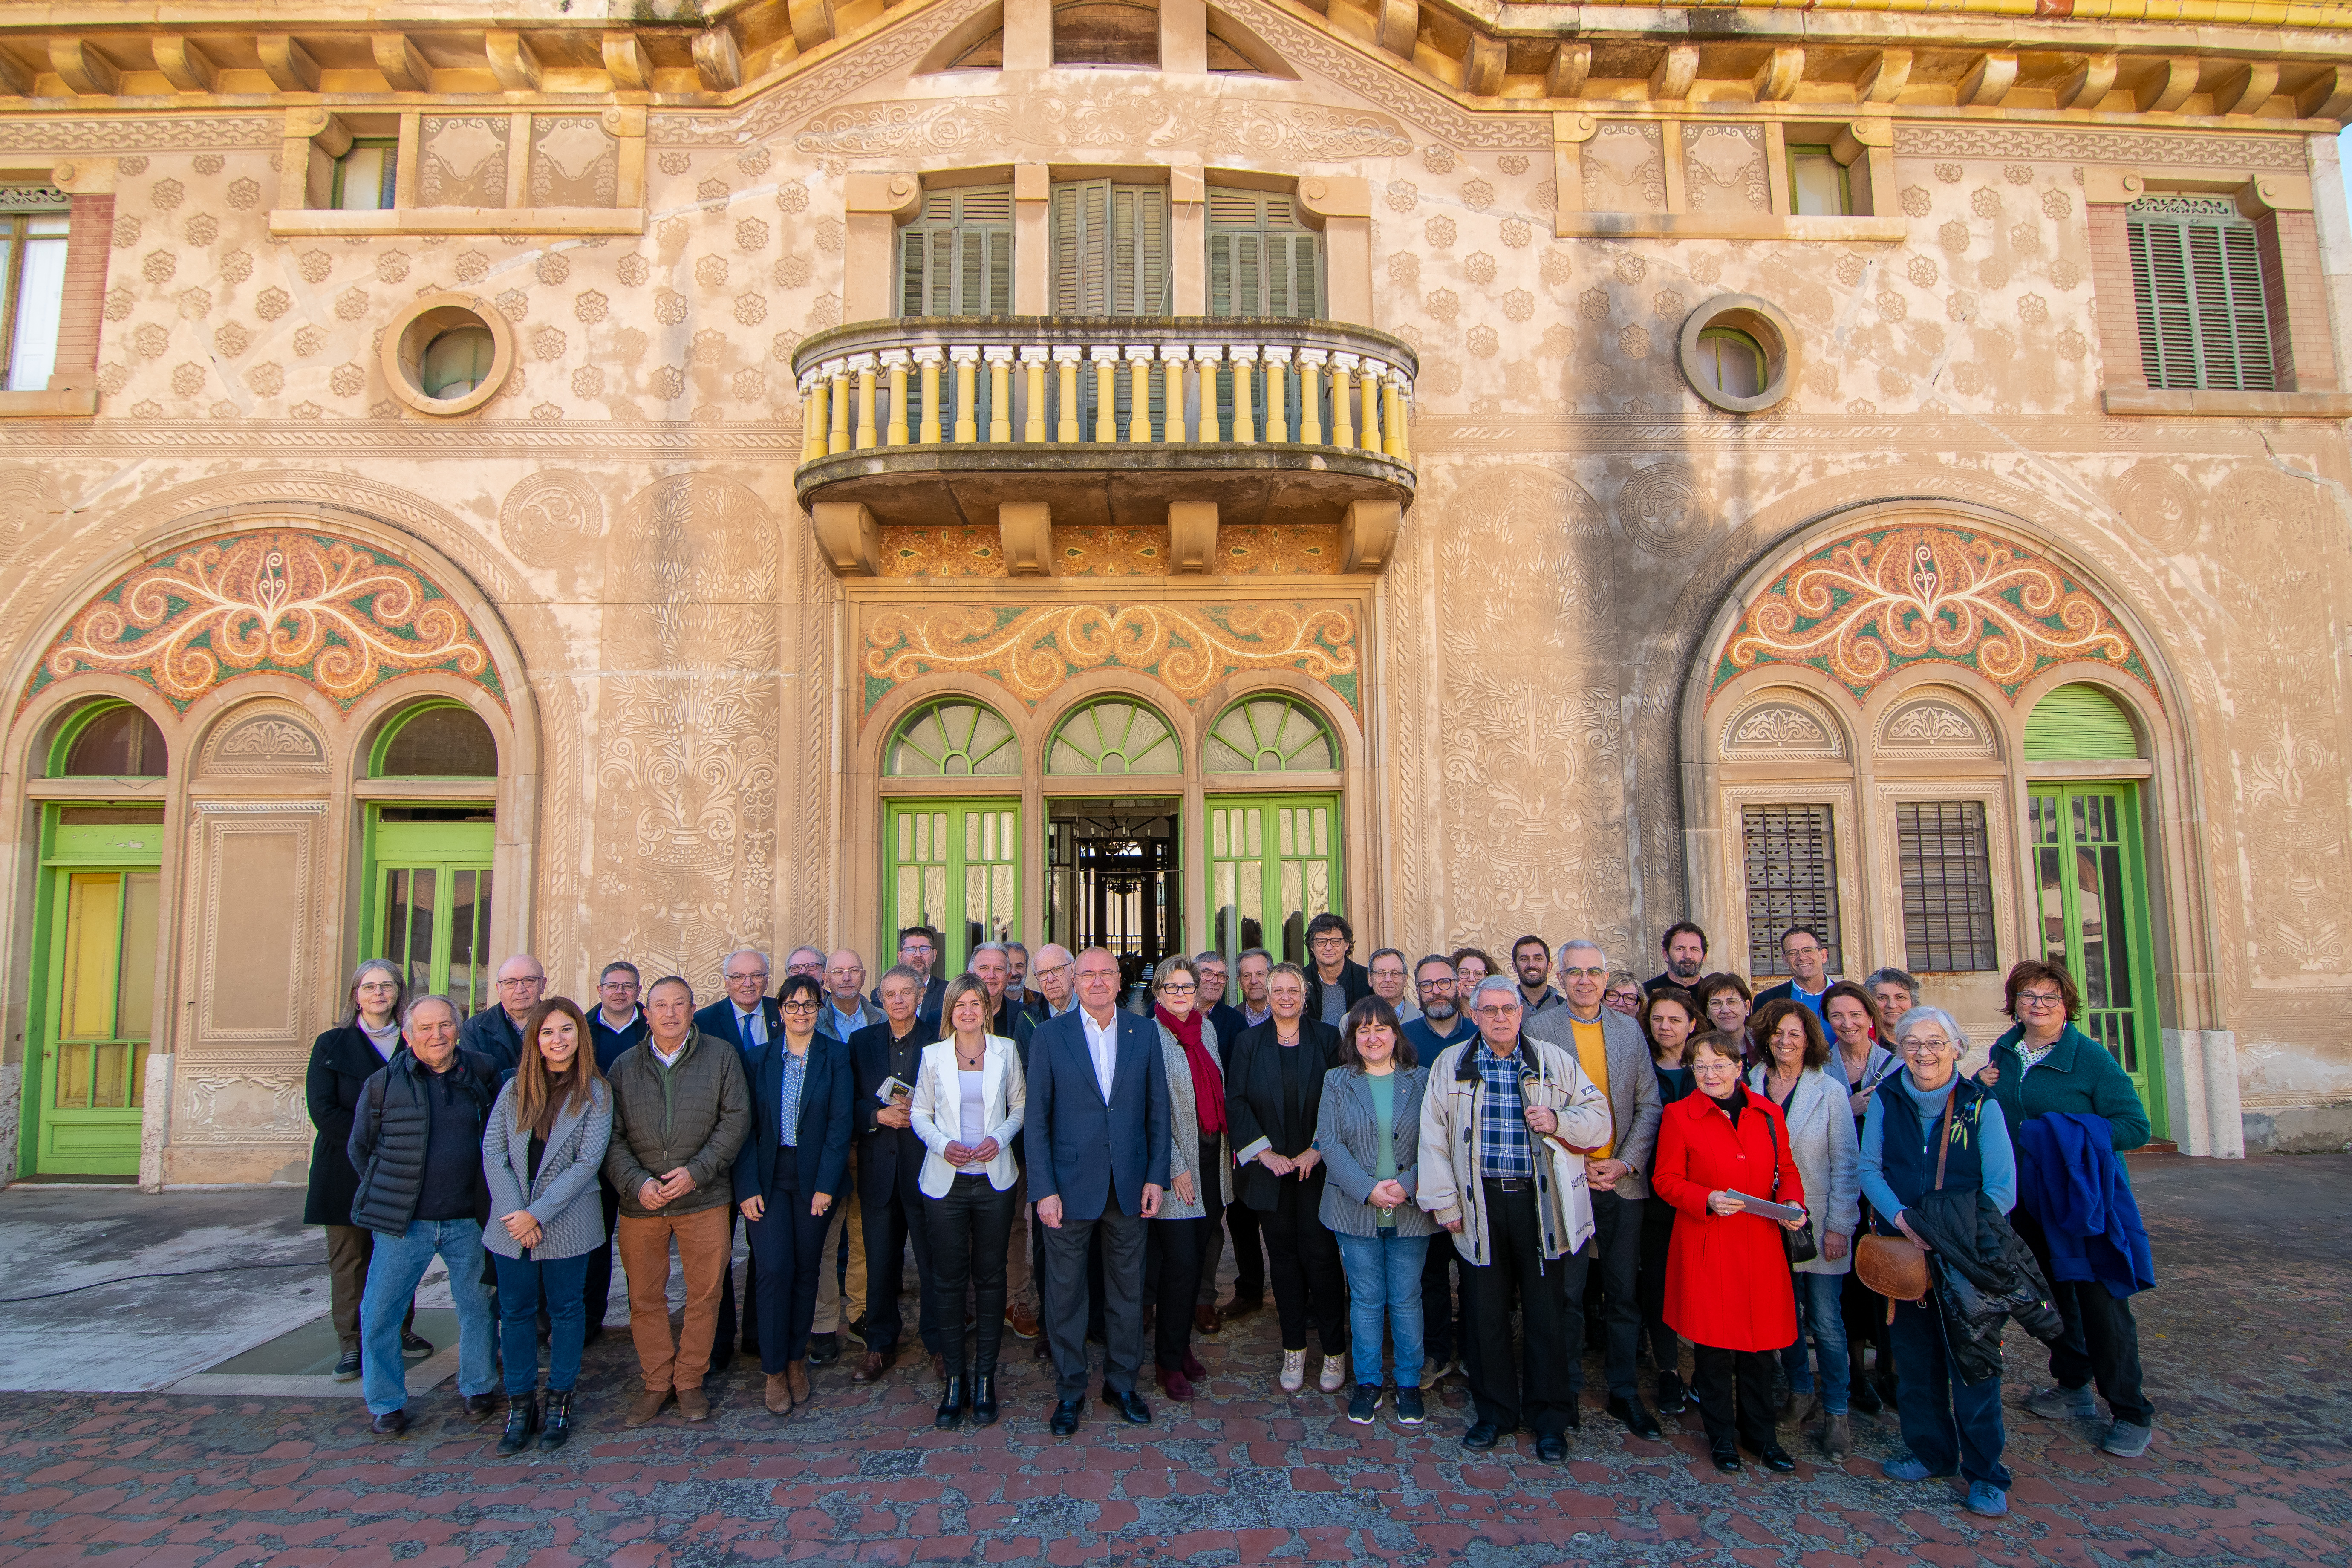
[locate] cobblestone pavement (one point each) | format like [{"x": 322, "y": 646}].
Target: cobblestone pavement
[{"x": 2245, "y": 1342}]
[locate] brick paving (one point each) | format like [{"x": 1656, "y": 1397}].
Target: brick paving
[{"x": 2245, "y": 1339}]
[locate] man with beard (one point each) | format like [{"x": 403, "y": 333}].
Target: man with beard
[{"x": 1686, "y": 949}]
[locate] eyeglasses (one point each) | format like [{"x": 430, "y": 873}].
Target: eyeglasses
[
  {"x": 799, "y": 1007},
  {"x": 1178, "y": 988},
  {"x": 2039, "y": 999},
  {"x": 1912, "y": 1045},
  {"x": 1061, "y": 968},
  {"x": 521, "y": 980},
  {"x": 1617, "y": 996},
  {"x": 1329, "y": 939},
  {"x": 1433, "y": 984},
  {"x": 760, "y": 974},
  {"x": 1586, "y": 974},
  {"x": 1808, "y": 951},
  {"x": 1500, "y": 1010}
]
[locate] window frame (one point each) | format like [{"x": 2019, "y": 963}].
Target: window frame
[
  {"x": 999, "y": 274},
  {"x": 1828, "y": 152},
  {"x": 2159, "y": 230},
  {"x": 1763, "y": 925},
  {"x": 385, "y": 734},
  {"x": 18, "y": 237},
  {"x": 1746, "y": 340},
  {"x": 388, "y": 185},
  {"x": 1967, "y": 820}
]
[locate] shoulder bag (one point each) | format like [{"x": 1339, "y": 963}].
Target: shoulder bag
[
  {"x": 1896, "y": 1267},
  {"x": 1800, "y": 1243}
]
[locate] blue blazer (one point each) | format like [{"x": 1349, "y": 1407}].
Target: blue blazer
[
  {"x": 719, "y": 1019},
  {"x": 1078, "y": 1146},
  {"x": 822, "y": 1141}
]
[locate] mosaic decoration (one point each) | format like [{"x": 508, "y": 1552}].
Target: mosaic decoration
[
  {"x": 1864, "y": 607},
  {"x": 1256, "y": 548},
  {"x": 1031, "y": 650},
  {"x": 955, "y": 550},
  {"x": 333, "y": 612}
]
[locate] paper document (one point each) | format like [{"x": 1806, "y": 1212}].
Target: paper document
[
  {"x": 895, "y": 1092},
  {"x": 1768, "y": 1209}
]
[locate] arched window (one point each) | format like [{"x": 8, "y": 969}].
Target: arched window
[
  {"x": 441, "y": 741},
  {"x": 1114, "y": 735},
  {"x": 952, "y": 738},
  {"x": 2079, "y": 724},
  {"x": 1270, "y": 733},
  {"x": 111, "y": 740}
]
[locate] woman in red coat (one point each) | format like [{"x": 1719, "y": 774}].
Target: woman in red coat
[{"x": 1728, "y": 1287}]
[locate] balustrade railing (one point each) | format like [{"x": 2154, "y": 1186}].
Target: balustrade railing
[{"x": 1103, "y": 382}]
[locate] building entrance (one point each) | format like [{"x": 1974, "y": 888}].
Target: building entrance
[{"x": 1111, "y": 880}]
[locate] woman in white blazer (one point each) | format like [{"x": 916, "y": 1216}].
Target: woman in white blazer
[{"x": 970, "y": 1094}]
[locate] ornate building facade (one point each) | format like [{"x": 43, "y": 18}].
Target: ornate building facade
[{"x": 634, "y": 480}]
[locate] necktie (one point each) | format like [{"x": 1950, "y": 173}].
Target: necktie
[{"x": 743, "y": 1028}]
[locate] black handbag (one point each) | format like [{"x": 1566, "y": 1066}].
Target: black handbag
[{"x": 1798, "y": 1243}]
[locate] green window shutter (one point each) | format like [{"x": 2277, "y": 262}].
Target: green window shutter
[
  {"x": 1276, "y": 261},
  {"x": 2197, "y": 290},
  {"x": 1082, "y": 259},
  {"x": 957, "y": 257},
  {"x": 2079, "y": 724}
]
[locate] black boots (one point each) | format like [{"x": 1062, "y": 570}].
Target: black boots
[
  {"x": 556, "y": 1429},
  {"x": 984, "y": 1400},
  {"x": 522, "y": 1420},
  {"x": 950, "y": 1414}
]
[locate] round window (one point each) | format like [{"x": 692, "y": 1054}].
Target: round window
[
  {"x": 1740, "y": 352},
  {"x": 1730, "y": 362},
  {"x": 458, "y": 361},
  {"x": 448, "y": 354}
]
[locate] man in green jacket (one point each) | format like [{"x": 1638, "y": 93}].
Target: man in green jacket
[
  {"x": 681, "y": 1111},
  {"x": 2045, "y": 1066}
]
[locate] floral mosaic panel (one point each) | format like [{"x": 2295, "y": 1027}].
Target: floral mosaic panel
[
  {"x": 1030, "y": 649},
  {"x": 333, "y": 612},
  {"x": 956, "y": 549},
  {"x": 1864, "y": 607}
]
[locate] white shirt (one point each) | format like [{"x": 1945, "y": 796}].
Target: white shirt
[
  {"x": 757, "y": 1019},
  {"x": 1102, "y": 1045},
  {"x": 666, "y": 1058}
]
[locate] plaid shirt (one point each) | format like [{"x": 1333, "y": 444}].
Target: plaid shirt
[{"x": 1504, "y": 1144}]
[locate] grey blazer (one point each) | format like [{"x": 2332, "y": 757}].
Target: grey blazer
[
  {"x": 1634, "y": 1103},
  {"x": 564, "y": 1199},
  {"x": 1829, "y": 1158},
  {"x": 1184, "y": 1128},
  {"x": 1348, "y": 1136}
]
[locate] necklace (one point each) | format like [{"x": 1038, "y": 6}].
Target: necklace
[{"x": 972, "y": 1063}]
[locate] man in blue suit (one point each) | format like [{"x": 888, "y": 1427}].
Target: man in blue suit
[
  {"x": 749, "y": 1017},
  {"x": 1097, "y": 1128}
]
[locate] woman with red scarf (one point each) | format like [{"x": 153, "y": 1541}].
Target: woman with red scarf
[{"x": 1200, "y": 1177}]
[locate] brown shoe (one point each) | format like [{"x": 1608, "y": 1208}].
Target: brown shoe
[
  {"x": 1022, "y": 1320},
  {"x": 872, "y": 1366},
  {"x": 779, "y": 1393},
  {"x": 693, "y": 1404},
  {"x": 1204, "y": 1319},
  {"x": 1241, "y": 1306},
  {"x": 1837, "y": 1439},
  {"x": 797, "y": 1374},
  {"x": 647, "y": 1405}
]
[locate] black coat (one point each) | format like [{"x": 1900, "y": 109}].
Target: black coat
[
  {"x": 494, "y": 1036},
  {"x": 888, "y": 1158},
  {"x": 1355, "y": 984},
  {"x": 821, "y": 1142},
  {"x": 342, "y": 1061},
  {"x": 1275, "y": 1093},
  {"x": 1984, "y": 1274},
  {"x": 389, "y": 1129}
]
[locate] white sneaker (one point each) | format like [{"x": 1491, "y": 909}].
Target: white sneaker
[
  {"x": 1294, "y": 1371},
  {"x": 1335, "y": 1373}
]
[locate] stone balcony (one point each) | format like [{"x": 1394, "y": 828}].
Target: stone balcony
[{"x": 1028, "y": 422}]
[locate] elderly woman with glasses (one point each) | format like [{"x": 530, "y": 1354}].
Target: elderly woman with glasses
[
  {"x": 1193, "y": 1211},
  {"x": 2046, "y": 1066},
  {"x": 1929, "y": 1130}
]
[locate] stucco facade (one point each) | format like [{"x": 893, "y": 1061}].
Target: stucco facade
[{"x": 1562, "y": 619}]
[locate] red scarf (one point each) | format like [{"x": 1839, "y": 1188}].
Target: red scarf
[{"x": 1208, "y": 1079}]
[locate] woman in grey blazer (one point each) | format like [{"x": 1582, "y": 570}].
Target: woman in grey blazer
[
  {"x": 1368, "y": 1134},
  {"x": 1201, "y": 1176},
  {"x": 542, "y": 1148}
]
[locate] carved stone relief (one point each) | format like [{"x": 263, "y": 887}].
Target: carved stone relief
[
  {"x": 1933, "y": 727},
  {"x": 1625, "y": 169},
  {"x": 2158, "y": 504},
  {"x": 1723, "y": 169},
  {"x": 573, "y": 162},
  {"x": 551, "y": 518},
  {"x": 268, "y": 739},
  {"x": 1780, "y": 725},
  {"x": 1105, "y": 116},
  {"x": 1658, "y": 508},
  {"x": 463, "y": 161}
]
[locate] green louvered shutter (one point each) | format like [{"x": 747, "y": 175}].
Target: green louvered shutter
[
  {"x": 1110, "y": 249},
  {"x": 1262, "y": 260},
  {"x": 956, "y": 260},
  {"x": 2079, "y": 724},
  {"x": 2197, "y": 283}
]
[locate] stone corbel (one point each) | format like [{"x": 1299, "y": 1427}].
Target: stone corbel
[
  {"x": 1676, "y": 73},
  {"x": 875, "y": 205},
  {"x": 1024, "y": 528},
  {"x": 2245, "y": 90},
  {"x": 1883, "y": 79},
  {"x": 1368, "y": 532},
  {"x": 187, "y": 68},
  {"x": 314, "y": 139},
  {"x": 1988, "y": 82},
  {"x": 405, "y": 69},
  {"x": 2326, "y": 96},
  {"x": 1777, "y": 78},
  {"x": 1571, "y": 64},
  {"x": 626, "y": 62},
  {"x": 717, "y": 59},
  {"x": 2091, "y": 83},
  {"x": 1341, "y": 204},
  {"x": 287, "y": 63},
  {"x": 512, "y": 60},
  {"x": 1191, "y": 537},
  {"x": 88, "y": 73},
  {"x": 2168, "y": 87},
  {"x": 849, "y": 537},
  {"x": 85, "y": 176},
  {"x": 1570, "y": 132}
]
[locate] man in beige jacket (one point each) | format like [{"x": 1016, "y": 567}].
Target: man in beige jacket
[{"x": 1503, "y": 1130}]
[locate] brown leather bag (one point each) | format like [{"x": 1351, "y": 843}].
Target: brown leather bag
[{"x": 1895, "y": 1266}]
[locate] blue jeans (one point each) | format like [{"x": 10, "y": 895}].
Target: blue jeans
[
  {"x": 1820, "y": 1308},
  {"x": 523, "y": 1283},
  {"x": 396, "y": 1265},
  {"x": 1384, "y": 1275},
  {"x": 1946, "y": 1423}
]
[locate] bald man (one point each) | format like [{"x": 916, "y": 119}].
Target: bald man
[{"x": 496, "y": 1033}]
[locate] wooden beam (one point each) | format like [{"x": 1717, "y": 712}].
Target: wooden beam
[
  {"x": 1676, "y": 72},
  {"x": 813, "y": 23},
  {"x": 1572, "y": 63},
  {"x": 1482, "y": 68},
  {"x": 1400, "y": 24},
  {"x": 717, "y": 60},
  {"x": 1775, "y": 80},
  {"x": 88, "y": 72},
  {"x": 2090, "y": 84},
  {"x": 511, "y": 59},
  {"x": 14, "y": 79},
  {"x": 2327, "y": 95},
  {"x": 626, "y": 62},
  {"x": 1883, "y": 79},
  {"x": 288, "y": 64},
  {"x": 405, "y": 69},
  {"x": 2168, "y": 87},
  {"x": 1988, "y": 81},
  {"x": 187, "y": 68},
  {"x": 2247, "y": 88}
]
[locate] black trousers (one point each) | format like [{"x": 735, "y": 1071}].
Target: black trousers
[
  {"x": 788, "y": 1243},
  {"x": 1866, "y": 1324},
  {"x": 1183, "y": 1248},
  {"x": 1249, "y": 1253},
  {"x": 2100, "y": 1344},
  {"x": 1537, "y": 1387},
  {"x": 970, "y": 1228},
  {"x": 1444, "y": 1331},
  {"x": 596, "y": 1288},
  {"x": 1068, "y": 1298},
  {"x": 1663, "y": 1346},
  {"x": 1717, "y": 1376},
  {"x": 1303, "y": 1257},
  {"x": 1616, "y": 1248},
  {"x": 894, "y": 1221}
]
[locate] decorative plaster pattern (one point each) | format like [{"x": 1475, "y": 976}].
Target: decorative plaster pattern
[
  {"x": 1358, "y": 71},
  {"x": 551, "y": 518},
  {"x": 890, "y": 49},
  {"x": 270, "y": 739},
  {"x": 1932, "y": 728},
  {"x": 2090, "y": 146},
  {"x": 1032, "y": 651},
  {"x": 188, "y": 133},
  {"x": 1106, "y": 115},
  {"x": 333, "y": 612},
  {"x": 1865, "y": 605}
]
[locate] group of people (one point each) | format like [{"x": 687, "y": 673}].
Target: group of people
[{"x": 1619, "y": 1165}]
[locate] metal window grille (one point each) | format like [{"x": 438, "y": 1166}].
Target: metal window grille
[
  {"x": 1792, "y": 871},
  {"x": 1947, "y": 871},
  {"x": 2197, "y": 283}
]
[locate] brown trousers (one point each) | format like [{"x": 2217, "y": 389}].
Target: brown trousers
[
  {"x": 644, "y": 1246},
  {"x": 349, "y": 1248},
  {"x": 1020, "y": 1288},
  {"x": 831, "y": 1299}
]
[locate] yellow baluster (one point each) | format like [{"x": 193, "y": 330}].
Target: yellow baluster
[
  {"x": 1244, "y": 358},
  {"x": 967, "y": 410},
  {"x": 1139, "y": 395},
  {"x": 929, "y": 357},
  {"x": 895, "y": 361},
  {"x": 1065, "y": 365},
  {"x": 1310, "y": 395},
  {"x": 1342, "y": 384},
  {"x": 1106, "y": 360},
  {"x": 867, "y": 434},
  {"x": 999, "y": 394},
  {"x": 1033, "y": 427},
  {"x": 1172, "y": 395},
  {"x": 813, "y": 417},
  {"x": 839, "y": 439}
]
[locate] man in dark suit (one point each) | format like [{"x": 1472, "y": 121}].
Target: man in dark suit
[
  {"x": 1807, "y": 954},
  {"x": 748, "y": 1018},
  {"x": 840, "y": 1294},
  {"x": 919, "y": 951},
  {"x": 1098, "y": 1156},
  {"x": 496, "y": 1033},
  {"x": 889, "y": 1164},
  {"x": 1222, "y": 1014}
]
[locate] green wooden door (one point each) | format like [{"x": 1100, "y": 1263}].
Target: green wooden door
[
  {"x": 1273, "y": 866},
  {"x": 954, "y": 866},
  {"x": 94, "y": 1006},
  {"x": 429, "y": 898},
  {"x": 2090, "y": 886}
]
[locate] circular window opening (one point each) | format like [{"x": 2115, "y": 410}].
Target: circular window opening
[
  {"x": 442, "y": 743},
  {"x": 1739, "y": 353},
  {"x": 448, "y": 354},
  {"x": 116, "y": 741}
]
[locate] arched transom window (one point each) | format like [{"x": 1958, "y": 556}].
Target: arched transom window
[
  {"x": 953, "y": 738},
  {"x": 1114, "y": 735},
  {"x": 1269, "y": 735}
]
